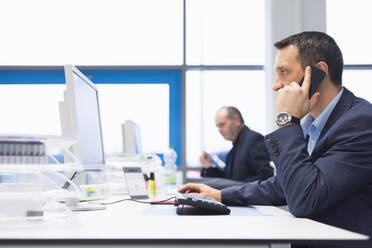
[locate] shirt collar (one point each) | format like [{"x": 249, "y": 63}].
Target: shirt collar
[{"x": 320, "y": 122}]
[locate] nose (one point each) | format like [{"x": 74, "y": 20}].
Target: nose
[{"x": 277, "y": 84}]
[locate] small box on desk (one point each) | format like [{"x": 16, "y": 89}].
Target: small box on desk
[{"x": 94, "y": 192}]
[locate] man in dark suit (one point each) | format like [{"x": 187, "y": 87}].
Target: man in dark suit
[
  {"x": 329, "y": 178},
  {"x": 248, "y": 160}
]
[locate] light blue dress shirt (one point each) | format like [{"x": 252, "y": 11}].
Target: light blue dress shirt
[{"x": 313, "y": 128}]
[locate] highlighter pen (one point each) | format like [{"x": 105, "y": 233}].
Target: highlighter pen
[
  {"x": 152, "y": 185},
  {"x": 146, "y": 180}
]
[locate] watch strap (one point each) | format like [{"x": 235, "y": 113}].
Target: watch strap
[
  {"x": 284, "y": 118},
  {"x": 295, "y": 120}
]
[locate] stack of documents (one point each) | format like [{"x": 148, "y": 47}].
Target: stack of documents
[{"x": 22, "y": 150}]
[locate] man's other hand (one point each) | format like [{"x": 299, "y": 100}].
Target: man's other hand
[
  {"x": 206, "y": 160},
  {"x": 202, "y": 190}
]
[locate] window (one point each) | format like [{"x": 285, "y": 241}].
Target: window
[
  {"x": 206, "y": 92},
  {"x": 121, "y": 102},
  {"x": 359, "y": 82},
  {"x": 91, "y": 32},
  {"x": 348, "y": 22},
  {"x": 23, "y": 111},
  {"x": 156, "y": 107},
  {"x": 163, "y": 83},
  {"x": 225, "y": 32},
  {"x": 225, "y": 56},
  {"x": 125, "y": 44}
]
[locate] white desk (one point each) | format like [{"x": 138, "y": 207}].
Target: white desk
[{"x": 140, "y": 225}]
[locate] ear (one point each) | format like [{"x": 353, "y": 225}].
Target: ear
[
  {"x": 323, "y": 66},
  {"x": 237, "y": 120}
]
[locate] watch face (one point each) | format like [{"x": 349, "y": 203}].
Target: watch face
[{"x": 283, "y": 118}]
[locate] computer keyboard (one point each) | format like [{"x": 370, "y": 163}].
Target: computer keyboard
[{"x": 198, "y": 205}]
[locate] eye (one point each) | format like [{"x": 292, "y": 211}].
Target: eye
[{"x": 283, "y": 72}]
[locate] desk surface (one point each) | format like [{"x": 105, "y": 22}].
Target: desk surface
[{"x": 128, "y": 221}]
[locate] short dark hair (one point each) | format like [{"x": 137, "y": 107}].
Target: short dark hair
[
  {"x": 232, "y": 111},
  {"x": 314, "y": 47}
]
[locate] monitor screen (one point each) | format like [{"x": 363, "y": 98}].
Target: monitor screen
[{"x": 81, "y": 98}]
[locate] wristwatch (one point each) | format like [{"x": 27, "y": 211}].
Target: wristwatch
[{"x": 285, "y": 118}]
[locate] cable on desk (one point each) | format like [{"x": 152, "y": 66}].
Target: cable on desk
[
  {"x": 166, "y": 201},
  {"x": 148, "y": 202},
  {"x": 67, "y": 184}
]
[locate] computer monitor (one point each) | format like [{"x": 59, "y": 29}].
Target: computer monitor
[
  {"x": 131, "y": 138},
  {"x": 80, "y": 118}
]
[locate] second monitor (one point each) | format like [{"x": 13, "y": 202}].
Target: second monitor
[{"x": 131, "y": 138}]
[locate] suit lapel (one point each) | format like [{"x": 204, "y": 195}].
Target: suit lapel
[
  {"x": 231, "y": 157},
  {"x": 342, "y": 106}
]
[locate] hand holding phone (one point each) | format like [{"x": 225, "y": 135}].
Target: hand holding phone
[
  {"x": 317, "y": 77},
  {"x": 206, "y": 160}
]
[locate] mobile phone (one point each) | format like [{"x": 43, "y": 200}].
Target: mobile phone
[
  {"x": 317, "y": 77},
  {"x": 135, "y": 183},
  {"x": 217, "y": 162}
]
